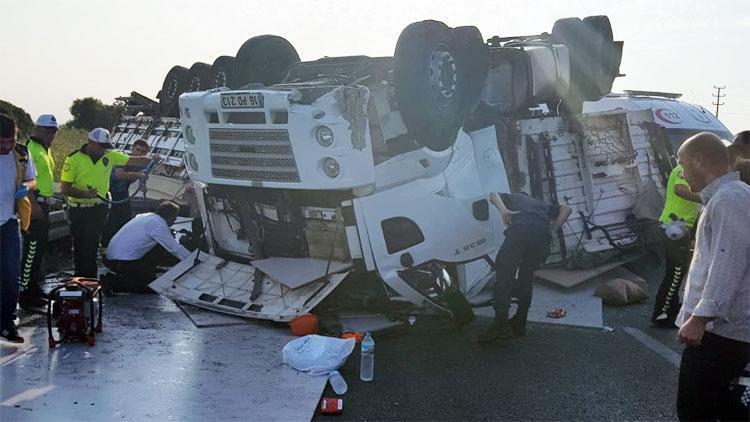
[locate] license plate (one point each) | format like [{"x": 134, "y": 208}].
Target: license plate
[{"x": 241, "y": 100}]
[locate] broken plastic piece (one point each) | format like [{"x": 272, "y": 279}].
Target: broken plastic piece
[{"x": 556, "y": 313}]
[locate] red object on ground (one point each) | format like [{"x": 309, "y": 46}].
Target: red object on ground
[
  {"x": 304, "y": 325},
  {"x": 356, "y": 335},
  {"x": 329, "y": 406},
  {"x": 556, "y": 313}
]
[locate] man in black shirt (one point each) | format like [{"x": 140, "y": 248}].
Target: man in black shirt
[{"x": 529, "y": 223}]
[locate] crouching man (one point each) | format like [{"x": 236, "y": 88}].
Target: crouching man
[{"x": 142, "y": 245}]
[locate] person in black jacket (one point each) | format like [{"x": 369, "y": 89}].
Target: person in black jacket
[{"x": 529, "y": 223}]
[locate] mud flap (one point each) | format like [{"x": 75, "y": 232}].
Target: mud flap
[
  {"x": 459, "y": 306},
  {"x": 226, "y": 287}
]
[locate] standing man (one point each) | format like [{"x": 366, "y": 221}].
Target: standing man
[
  {"x": 715, "y": 316},
  {"x": 525, "y": 248},
  {"x": 35, "y": 239},
  {"x": 119, "y": 188},
  {"x": 85, "y": 181},
  {"x": 742, "y": 140},
  {"x": 16, "y": 180},
  {"x": 680, "y": 207}
]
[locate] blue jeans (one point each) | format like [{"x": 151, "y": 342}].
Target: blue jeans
[{"x": 10, "y": 267}]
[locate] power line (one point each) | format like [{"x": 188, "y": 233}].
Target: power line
[{"x": 718, "y": 96}]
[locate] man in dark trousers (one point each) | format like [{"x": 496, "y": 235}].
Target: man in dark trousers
[
  {"x": 85, "y": 180},
  {"x": 35, "y": 239},
  {"x": 119, "y": 187},
  {"x": 142, "y": 245},
  {"x": 16, "y": 180},
  {"x": 525, "y": 248},
  {"x": 715, "y": 317}
]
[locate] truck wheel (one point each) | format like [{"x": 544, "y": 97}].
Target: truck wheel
[
  {"x": 473, "y": 64},
  {"x": 200, "y": 77},
  {"x": 263, "y": 59},
  {"x": 591, "y": 50},
  {"x": 426, "y": 81},
  {"x": 175, "y": 83},
  {"x": 609, "y": 61},
  {"x": 221, "y": 71}
]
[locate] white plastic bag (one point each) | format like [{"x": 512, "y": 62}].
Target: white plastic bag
[{"x": 318, "y": 355}]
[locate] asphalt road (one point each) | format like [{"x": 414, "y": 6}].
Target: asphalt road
[
  {"x": 434, "y": 371},
  {"x": 437, "y": 372}
]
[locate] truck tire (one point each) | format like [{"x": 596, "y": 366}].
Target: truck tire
[
  {"x": 473, "y": 64},
  {"x": 263, "y": 59},
  {"x": 609, "y": 62},
  {"x": 175, "y": 83},
  {"x": 591, "y": 50},
  {"x": 425, "y": 73},
  {"x": 200, "y": 77},
  {"x": 221, "y": 71}
]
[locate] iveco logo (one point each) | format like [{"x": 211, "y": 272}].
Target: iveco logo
[{"x": 470, "y": 246}]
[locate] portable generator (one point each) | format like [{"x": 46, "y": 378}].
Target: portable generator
[{"x": 75, "y": 307}]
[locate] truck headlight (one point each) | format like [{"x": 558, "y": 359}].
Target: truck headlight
[
  {"x": 324, "y": 136},
  {"x": 331, "y": 167},
  {"x": 192, "y": 162},
  {"x": 189, "y": 135}
]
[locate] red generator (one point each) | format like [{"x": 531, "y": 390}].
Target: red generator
[{"x": 75, "y": 308}]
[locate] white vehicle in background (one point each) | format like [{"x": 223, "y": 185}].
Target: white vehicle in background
[
  {"x": 382, "y": 167},
  {"x": 678, "y": 119}
]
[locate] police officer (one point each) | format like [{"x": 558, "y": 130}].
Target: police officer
[
  {"x": 681, "y": 207},
  {"x": 35, "y": 239},
  {"x": 85, "y": 181}
]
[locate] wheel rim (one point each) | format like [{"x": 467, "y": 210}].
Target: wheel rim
[
  {"x": 442, "y": 74},
  {"x": 195, "y": 84},
  {"x": 220, "y": 78},
  {"x": 171, "y": 89}
]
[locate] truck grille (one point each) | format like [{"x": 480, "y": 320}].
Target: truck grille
[{"x": 253, "y": 154}]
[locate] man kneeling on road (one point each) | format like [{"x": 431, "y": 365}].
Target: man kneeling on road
[
  {"x": 142, "y": 245},
  {"x": 525, "y": 248}
]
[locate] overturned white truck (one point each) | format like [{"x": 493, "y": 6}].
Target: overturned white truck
[{"x": 383, "y": 166}]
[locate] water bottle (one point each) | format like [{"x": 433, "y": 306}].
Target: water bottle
[
  {"x": 338, "y": 383},
  {"x": 367, "y": 358}
]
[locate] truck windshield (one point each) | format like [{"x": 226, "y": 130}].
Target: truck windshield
[{"x": 678, "y": 136}]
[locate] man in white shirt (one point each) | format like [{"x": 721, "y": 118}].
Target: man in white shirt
[
  {"x": 715, "y": 316},
  {"x": 143, "y": 244},
  {"x": 17, "y": 175}
]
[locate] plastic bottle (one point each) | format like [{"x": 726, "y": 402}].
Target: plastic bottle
[
  {"x": 367, "y": 358},
  {"x": 338, "y": 383}
]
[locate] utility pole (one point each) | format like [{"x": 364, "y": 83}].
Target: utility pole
[{"x": 718, "y": 97}]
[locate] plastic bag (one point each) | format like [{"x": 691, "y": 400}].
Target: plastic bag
[{"x": 318, "y": 355}]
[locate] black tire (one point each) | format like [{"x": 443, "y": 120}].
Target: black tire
[
  {"x": 609, "y": 57},
  {"x": 591, "y": 48},
  {"x": 263, "y": 59},
  {"x": 473, "y": 64},
  {"x": 425, "y": 73},
  {"x": 175, "y": 83},
  {"x": 221, "y": 71},
  {"x": 200, "y": 77}
]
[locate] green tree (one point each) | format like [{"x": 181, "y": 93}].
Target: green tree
[
  {"x": 89, "y": 113},
  {"x": 22, "y": 118}
]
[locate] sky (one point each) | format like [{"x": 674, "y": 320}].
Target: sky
[{"x": 56, "y": 51}]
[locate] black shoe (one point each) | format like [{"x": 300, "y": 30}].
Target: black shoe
[
  {"x": 665, "y": 324},
  {"x": 518, "y": 327},
  {"x": 11, "y": 334},
  {"x": 32, "y": 303},
  {"x": 500, "y": 330}
]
